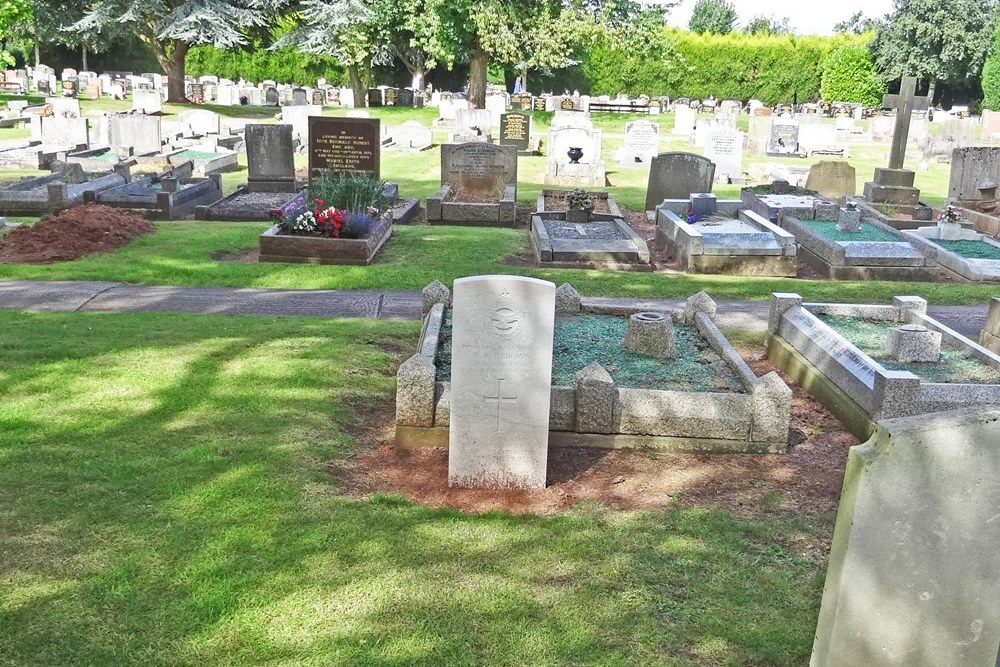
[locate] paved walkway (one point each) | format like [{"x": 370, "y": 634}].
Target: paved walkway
[{"x": 107, "y": 297}]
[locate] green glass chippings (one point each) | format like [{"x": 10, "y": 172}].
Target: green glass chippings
[
  {"x": 868, "y": 233},
  {"x": 970, "y": 249},
  {"x": 872, "y": 338},
  {"x": 582, "y": 339}
]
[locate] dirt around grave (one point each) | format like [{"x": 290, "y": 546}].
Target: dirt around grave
[
  {"x": 804, "y": 481},
  {"x": 77, "y": 231}
]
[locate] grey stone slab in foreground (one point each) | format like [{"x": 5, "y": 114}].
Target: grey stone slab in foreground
[{"x": 53, "y": 296}]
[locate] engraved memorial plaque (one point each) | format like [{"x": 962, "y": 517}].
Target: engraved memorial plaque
[{"x": 344, "y": 145}]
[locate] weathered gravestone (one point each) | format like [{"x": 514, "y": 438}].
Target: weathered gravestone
[
  {"x": 724, "y": 147},
  {"x": 990, "y": 336},
  {"x": 515, "y": 130},
  {"x": 318, "y": 98},
  {"x": 894, "y": 185},
  {"x": 478, "y": 186},
  {"x": 412, "y": 135},
  {"x": 271, "y": 97},
  {"x": 501, "y": 380},
  {"x": 973, "y": 170},
  {"x": 344, "y": 145},
  {"x": 65, "y": 131},
  {"x": 913, "y": 576},
  {"x": 270, "y": 158},
  {"x": 147, "y": 101},
  {"x": 642, "y": 141},
  {"x": 678, "y": 176},
  {"x": 299, "y": 97},
  {"x": 784, "y": 139},
  {"x": 573, "y": 151},
  {"x": 832, "y": 179},
  {"x": 199, "y": 122},
  {"x": 140, "y": 133}
]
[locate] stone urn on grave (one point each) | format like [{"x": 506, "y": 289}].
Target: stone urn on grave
[{"x": 574, "y": 154}]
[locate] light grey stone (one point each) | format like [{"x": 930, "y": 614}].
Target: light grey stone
[
  {"x": 562, "y": 409},
  {"x": 501, "y": 376},
  {"x": 833, "y": 179},
  {"x": 771, "y": 401},
  {"x": 909, "y": 304},
  {"x": 415, "y": 392},
  {"x": 912, "y": 343},
  {"x": 567, "y": 300},
  {"x": 682, "y": 414},
  {"x": 990, "y": 337},
  {"x": 698, "y": 303},
  {"x": 651, "y": 334},
  {"x": 436, "y": 292},
  {"x": 596, "y": 395},
  {"x": 442, "y": 404},
  {"x": 913, "y": 576},
  {"x": 780, "y": 303}
]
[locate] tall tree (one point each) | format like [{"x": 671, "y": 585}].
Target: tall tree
[
  {"x": 991, "y": 77},
  {"x": 768, "y": 25},
  {"x": 936, "y": 41},
  {"x": 713, "y": 16},
  {"x": 171, "y": 27},
  {"x": 12, "y": 13},
  {"x": 857, "y": 24}
]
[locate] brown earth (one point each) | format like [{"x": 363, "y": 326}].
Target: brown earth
[
  {"x": 805, "y": 481},
  {"x": 81, "y": 230}
]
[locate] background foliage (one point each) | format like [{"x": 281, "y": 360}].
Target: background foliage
[
  {"x": 282, "y": 65},
  {"x": 849, "y": 75}
]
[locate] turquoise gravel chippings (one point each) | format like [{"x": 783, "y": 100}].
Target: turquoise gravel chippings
[
  {"x": 970, "y": 249},
  {"x": 581, "y": 339},
  {"x": 955, "y": 366},
  {"x": 868, "y": 234}
]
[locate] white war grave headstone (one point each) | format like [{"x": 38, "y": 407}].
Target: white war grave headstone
[{"x": 501, "y": 379}]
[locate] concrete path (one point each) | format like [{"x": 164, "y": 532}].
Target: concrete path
[{"x": 107, "y": 297}]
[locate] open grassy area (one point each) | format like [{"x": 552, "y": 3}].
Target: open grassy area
[
  {"x": 165, "y": 500},
  {"x": 181, "y": 254}
]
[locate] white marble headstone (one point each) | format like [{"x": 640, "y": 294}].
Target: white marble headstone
[
  {"x": 724, "y": 147},
  {"x": 501, "y": 378}
]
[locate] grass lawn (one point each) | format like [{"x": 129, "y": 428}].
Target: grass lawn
[
  {"x": 164, "y": 500},
  {"x": 181, "y": 254}
]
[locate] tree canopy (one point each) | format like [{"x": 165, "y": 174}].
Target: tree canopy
[{"x": 713, "y": 16}]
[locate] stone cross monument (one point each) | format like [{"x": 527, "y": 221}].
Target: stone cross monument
[{"x": 895, "y": 184}]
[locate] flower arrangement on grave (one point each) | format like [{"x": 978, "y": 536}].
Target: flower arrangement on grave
[
  {"x": 579, "y": 205},
  {"x": 951, "y": 214},
  {"x": 344, "y": 206}
]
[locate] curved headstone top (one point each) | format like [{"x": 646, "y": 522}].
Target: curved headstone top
[{"x": 676, "y": 175}]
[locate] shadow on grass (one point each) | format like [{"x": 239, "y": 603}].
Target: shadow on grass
[{"x": 165, "y": 502}]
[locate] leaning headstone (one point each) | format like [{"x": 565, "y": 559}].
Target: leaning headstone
[
  {"x": 501, "y": 381},
  {"x": 913, "y": 576},
  {"x": 677, "y": 176},
  {"x": 270, "y": 158},
  {"x": 833, "y": 179},
  {"x": 344, "y": 145}
]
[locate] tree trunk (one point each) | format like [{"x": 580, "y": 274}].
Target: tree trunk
[
  {"x": 172, "y": 64},
  {"x": 83, "y": 52},
  {"x": 930, "y": 90},
  {"x": 38, "y": 53},
  {"x": 479, "y": 61},
  {"x": 357, "y": 85},
  {"x": 524, "y": 78}
]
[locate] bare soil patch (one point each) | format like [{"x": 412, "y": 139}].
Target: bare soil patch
[
  {"x": 805, "y": 481},
  {"x": 78, "y": 231}
]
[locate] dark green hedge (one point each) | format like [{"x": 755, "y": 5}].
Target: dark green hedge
[
  {"x": 991, "y": 77},
  {"x": 771, "y": 68},
  {"x": 282, "y": 65}
]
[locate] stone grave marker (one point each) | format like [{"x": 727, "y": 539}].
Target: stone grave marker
[
  {"x": 678, "y": 176},
  {"x": 391, "y": 96},
  {"x": 200, "y": 122},
  {"x": 479, "y": 171},
  {"x": 574, "y": 130},
  {"x": 412, "y": 135},
  {"x": 344, "y": 145},
  {"x": 271, "y": 97},
  {"x": 147, "y": 101},
  {"x": 894, "y": 185},
  {"x": 65, "y": 131},
  {"x": 299, "y": 97},
  {"x": 972, "y": 168},
  {"x": 472, "y": 123},
  {"x": 406, "y": 98},
  {"x": 375, "y": 97},
  {"x": 270, "y": 158},
  {"x": 141, "y": 133},
  {"x": 684, "y": 117},
  {"x": 913, "y": 576},
  {"x": 496, "y": 105},
  {"x": 642, "y": 141},
  {"x": 298, "y": 117},
  {"x": 784, "y": 139},
  {"x": 515, "y": 130},
  {"x": 64, "y": 107},
  {"x": 318, "y": 98},
  {"x": 724, "y": 147},
  {"x": 832, "y": 179},
  {"x": 500, "y": 382},
  {"x": 69, "y": 88}
]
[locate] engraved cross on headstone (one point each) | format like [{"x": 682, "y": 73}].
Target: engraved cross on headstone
[
  {"x": 905, "y": 104},
  {"x": 499, "y": 400}
]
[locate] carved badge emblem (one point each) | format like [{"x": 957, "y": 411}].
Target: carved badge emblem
[{"x": 504, "y": 320}]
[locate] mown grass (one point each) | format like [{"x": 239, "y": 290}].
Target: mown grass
[
  {"x": 181, "y": 254},
  {"x": 166, "y": 500}
]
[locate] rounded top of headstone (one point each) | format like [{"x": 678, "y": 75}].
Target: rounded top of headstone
[
  {"x": 913, "y": 328},
  {"x": 649, "y": 316}
]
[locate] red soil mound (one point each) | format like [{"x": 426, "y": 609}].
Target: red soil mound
[{"x": 78, "y": 231}]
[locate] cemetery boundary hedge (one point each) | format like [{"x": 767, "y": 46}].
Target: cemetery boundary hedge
[
  {"x": 772, "y": 68},
  {"x": 281, "y": 65}
]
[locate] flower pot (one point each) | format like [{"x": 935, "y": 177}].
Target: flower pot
[{"x": 574, "y": 155}]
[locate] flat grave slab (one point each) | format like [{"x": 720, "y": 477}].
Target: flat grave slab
[
  {"x": 704, "y": 399},
  {"x": 163, "y": 199},
  {"x": 206, "y": 161},
  {"x": 875, "y": 252},
  {"x": 246, "y": 206},
  {"x": 730, "y": 240},
  {"x": 609, "y": 244},
  {"x": 849, "y": 358},
  {"x": 772, "y": 201}
]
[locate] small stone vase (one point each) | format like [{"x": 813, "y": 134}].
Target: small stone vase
[{"x": 574, "y": 155}]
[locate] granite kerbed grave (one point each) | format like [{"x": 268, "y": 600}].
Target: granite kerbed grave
[
  {"x": 855, "y": 359},
  {"x": 208, "y": 161},
  {"x": 770, "y": 201},
  {"x": 968, "y": 253},
  {"x": 723, "y": 238},
  {"x": 163, "y": 199},
  {"x": 898, "y": 216},
  {"x": 49, "y": 194},
  {"x": 874, "y": 251},
  {"x": 706, "y": 399},
  {"x": 478, "y": 186}
]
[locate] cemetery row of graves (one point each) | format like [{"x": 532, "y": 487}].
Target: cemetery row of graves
[{"x": 511, "y": 369}]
